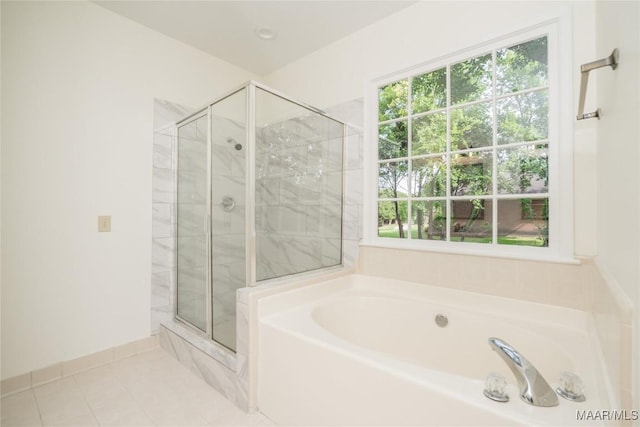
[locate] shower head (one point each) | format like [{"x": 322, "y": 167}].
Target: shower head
[{"x": 235, "y": 143}]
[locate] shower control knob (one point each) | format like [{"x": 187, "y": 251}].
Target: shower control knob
[{"x": 228, "y": 204}]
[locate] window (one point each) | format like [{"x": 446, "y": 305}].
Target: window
[{"x": 465, "y": 149}]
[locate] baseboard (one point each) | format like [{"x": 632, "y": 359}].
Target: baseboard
[{"x": 70, "y": 367}]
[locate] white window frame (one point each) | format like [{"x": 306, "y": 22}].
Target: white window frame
[{"x": 560, "y": 167}]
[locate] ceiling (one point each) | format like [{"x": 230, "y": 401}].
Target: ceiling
[{"x": 227, "y": 29}]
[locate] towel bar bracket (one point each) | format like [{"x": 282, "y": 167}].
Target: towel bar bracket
[{"x": 609, "y": 61}]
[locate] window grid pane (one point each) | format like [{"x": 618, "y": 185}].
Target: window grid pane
[{"x": 460, "y": 144}]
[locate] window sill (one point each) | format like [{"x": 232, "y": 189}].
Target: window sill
[{"x": 473, "y": 249}]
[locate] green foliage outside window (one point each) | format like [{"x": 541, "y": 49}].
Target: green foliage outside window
[{"x": 445, "y": 134}]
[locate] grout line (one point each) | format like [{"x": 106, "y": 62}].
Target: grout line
[{"x": 35, "y": 399}]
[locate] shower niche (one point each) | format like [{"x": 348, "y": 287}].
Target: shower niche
[{"x": 259, "y": 195}]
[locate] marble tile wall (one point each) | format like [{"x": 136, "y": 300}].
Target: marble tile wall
[
  {"x": 352, "y": 113},
  {"x": 191, "y": 211},
  {"x": 219, "y": 369},
  {"x": 300, "y": 168},
  {"x": 163, "y": 243}
]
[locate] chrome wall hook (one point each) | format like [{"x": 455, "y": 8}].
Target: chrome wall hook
[{"x": 611, "y": 61}]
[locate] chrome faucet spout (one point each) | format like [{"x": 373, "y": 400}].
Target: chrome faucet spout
[{"x": 534, "y": 389}]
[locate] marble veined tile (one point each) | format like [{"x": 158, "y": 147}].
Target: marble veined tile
[
  {"x": 161, "y": 289},
  {"x": 332, "y": 190},
  {"x": 175, "y": 346},
  {"x": 351, "y": 250},
  {"x": 163, "y": 254},
  {"x": 351, "y": 112},
  {"x": 334, "y": 153},
  {"x": 224, "y": 222},
  {"x": 354, "y": 152},
  {"x": 166, "y": 112},
  {"x": 163, "y": 186},
  {"x": 352, "y": 229},
  {"x": 221, "y": 155},
  {"x": 192, "y": 251},
  {"x": 192, "y": 156},
  {"x": 267, "y": 191},
  {"x": 354, "y": 187},
  {"x": 227, "y": 186},
  {"x": 192, "y": 187},
  {"x": 161, "y": 220},
  {"x": 267, "y": 249},
  {"x": 302, "y": 252},
  {"x": 181, "y": 336},
  {"x": 193, "y": 130},
  {"x": 190, "y": 219},
  {"x": 228, "y": 248},
  {"x": 331, "y": 252},
  {"x": 162, "y": 151},
  {"x": 215, "y": 374}
]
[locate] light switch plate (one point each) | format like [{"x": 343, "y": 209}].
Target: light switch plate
[{"x": 104, "y": 223}]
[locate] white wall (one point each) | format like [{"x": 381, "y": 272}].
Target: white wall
[
  {"x": 429, "y": 30},
  {"x": 78, "y": 87},
  {"x": 617, "y": 25}
]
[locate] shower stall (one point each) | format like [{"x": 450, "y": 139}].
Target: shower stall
[{"x": 259, "y": 196}]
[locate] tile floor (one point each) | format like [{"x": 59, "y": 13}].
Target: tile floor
[{"x": 148, "y": 389}]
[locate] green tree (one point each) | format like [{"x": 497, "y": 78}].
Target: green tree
[{"x": 392, "y": 177}]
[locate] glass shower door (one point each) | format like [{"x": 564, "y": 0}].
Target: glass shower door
[
  {"x": 228, "y": 212},
  {"x": 192, "y": 235},
  {"x": 253, "y": 161}
]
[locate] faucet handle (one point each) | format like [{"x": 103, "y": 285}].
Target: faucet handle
[
  {"x": 571, "y": 387},
  {"x": 496, "y": 388}
]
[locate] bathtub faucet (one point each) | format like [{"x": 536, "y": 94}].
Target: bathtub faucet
[{"x": 534, "y": 389}]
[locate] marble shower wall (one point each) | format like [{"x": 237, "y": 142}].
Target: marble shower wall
[
  {"x": 299, "y": 185},
  {"x": 352, "y": 113},
  {"x": 163, "y": 243},
  {"x": 191, "y": 210},
  {"x": 277, "y": 185},
  {"x": 226, "y": 372}
]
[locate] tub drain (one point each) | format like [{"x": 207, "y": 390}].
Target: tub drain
[{"x": 442, "y": 320}]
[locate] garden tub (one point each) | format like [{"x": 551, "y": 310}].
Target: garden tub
[{"x": 362, "y": 350}]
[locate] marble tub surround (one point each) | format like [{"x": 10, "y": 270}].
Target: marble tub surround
[
  {"x": 585, "y": 286},
  {"x": 565, "y": 285}
]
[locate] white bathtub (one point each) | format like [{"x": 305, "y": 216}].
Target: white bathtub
[{"x": 361, "y": 350}]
